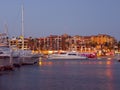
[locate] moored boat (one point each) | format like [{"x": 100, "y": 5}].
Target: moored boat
[
  {"x": 117, "y": 56},
  {"x": 67, "y": 55},
  {"x": 26, "y": 57}
]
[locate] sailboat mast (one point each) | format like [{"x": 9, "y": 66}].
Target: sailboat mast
[
  {"x": 6, "y": 34},
  {"x": 22, "y": 27}
]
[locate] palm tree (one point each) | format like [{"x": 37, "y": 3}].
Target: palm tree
[
  {"x": 30, "y": 43},
  {"x": 118, "y": 44}
]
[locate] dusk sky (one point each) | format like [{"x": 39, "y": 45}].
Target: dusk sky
[{"x": 56, "y": 17}]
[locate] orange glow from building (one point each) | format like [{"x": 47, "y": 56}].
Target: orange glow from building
[
  {"x": 108, "y": 62},
  {"x": 40, "y": 63}
]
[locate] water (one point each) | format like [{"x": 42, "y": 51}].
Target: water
[{"x": 64, "y": 75}]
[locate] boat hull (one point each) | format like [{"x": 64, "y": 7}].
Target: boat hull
[{"x": 67, "y": 57}]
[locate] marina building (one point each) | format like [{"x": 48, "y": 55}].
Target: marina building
[{"x": 91, "y": 43}]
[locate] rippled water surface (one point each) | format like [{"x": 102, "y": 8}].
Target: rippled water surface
[{"x": 64, "y": 75}]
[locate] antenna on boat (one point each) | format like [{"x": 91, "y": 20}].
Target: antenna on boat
[
  {"x": 6, "y": 29},
  {"x": 22, "y": 27}
]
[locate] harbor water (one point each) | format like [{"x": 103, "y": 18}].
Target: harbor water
[{"x": 101, "y": 74}]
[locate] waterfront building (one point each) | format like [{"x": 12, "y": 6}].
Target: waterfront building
[
  {"x": 93, "y": 43},
  {"x": 18, "y": 43},
  {"x": 104, "y": 43},
  {"x": 103, "y": 38}
]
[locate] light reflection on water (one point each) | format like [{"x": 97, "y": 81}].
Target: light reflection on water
[
  {"x": 64, "y": 75},
  {"x": 66, "y": 62}
]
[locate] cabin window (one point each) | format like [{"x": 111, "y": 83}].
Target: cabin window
[
  {"x": 62, "y": 53},
  {"x": 72, "y": 54}
]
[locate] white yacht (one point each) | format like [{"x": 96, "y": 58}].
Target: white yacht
[
  {"x": 27, "y": 54},
  {"x": 8, "y": 56},
  {"x": 117, "y": 56},
  {"x": 67, "y": 55},
  {"x": 4, "y": 52},
  {"x": 7, "y": 52},
  {"x": 26, "y": 57}
]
